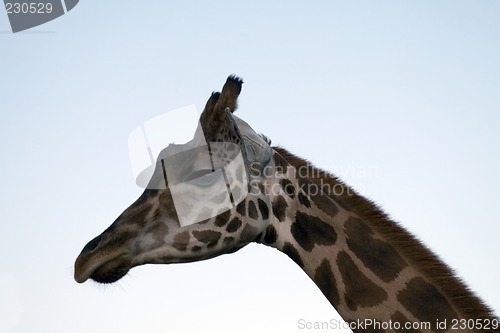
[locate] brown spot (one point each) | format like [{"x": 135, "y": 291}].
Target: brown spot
[
  {"x": 304, "y": 184},
  {"x": 304, "y": 200},
  {"x": 228, "y": 240},
  {"x": 324, "y": 279},
  {"x": 279, "y": 208},
  {"x": 252, "y": 210},
  {"x": 360, "y": 291},
  {"x": 241, "y": 208},
  {"x": 270, "y": 235},
  {"x": 425, "y": 302},
  {"x": 398, "y": 317},
  {"x": 377, "y": 255},
  {"x": 222, "y": 218},
  {"x": 209, "y": 237},
  {"x": 262, "y": 189},
  {"x": 264, "y": 209},
  {"x": 323, "y": 201},
  {"x": 287, "y": 187},
  {"x": 292, "y": 252},
  {"x": 319, "y": 196},
  {"x": 181, "y": 241},
  {"x": 212, "y": 244},
  {"x": 196, "y": 248},
  {"x": 234, "y": 225},
  {"x": 248, "y": 234},
  {"x": 309, "y": 230}
]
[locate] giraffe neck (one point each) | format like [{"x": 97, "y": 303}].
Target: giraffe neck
[{"x": 367, "y": 266}]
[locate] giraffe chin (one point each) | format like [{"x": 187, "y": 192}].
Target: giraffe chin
[
  {"x": 108, "y": 271},
  {"x": 113, "y": 270}
]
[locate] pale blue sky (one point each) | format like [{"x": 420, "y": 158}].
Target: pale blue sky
[{"x": 400, "y": 98}]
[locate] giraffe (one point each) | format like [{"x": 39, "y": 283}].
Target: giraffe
[{"x": 369, "y": 267}]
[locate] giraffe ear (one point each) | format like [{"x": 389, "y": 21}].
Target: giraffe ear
[{"x": 255, "y": 147}]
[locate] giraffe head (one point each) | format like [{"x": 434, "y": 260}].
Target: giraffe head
[{"x": 194, "y": 207}]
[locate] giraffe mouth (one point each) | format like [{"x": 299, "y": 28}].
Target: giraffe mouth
[
  {"x": 112, "y": 271},
  {"x": 102, "y": 270}
]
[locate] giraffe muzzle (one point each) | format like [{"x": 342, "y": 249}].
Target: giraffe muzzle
[{"x": 100, "y": 265}]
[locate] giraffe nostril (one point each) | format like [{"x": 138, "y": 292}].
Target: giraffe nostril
[{"x": 92, "y": 244}]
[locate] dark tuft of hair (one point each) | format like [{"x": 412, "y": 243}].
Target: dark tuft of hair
[{"x": 234, "y": 78}]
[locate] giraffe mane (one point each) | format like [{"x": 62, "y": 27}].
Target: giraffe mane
[{"x": 410, "y": 247}]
